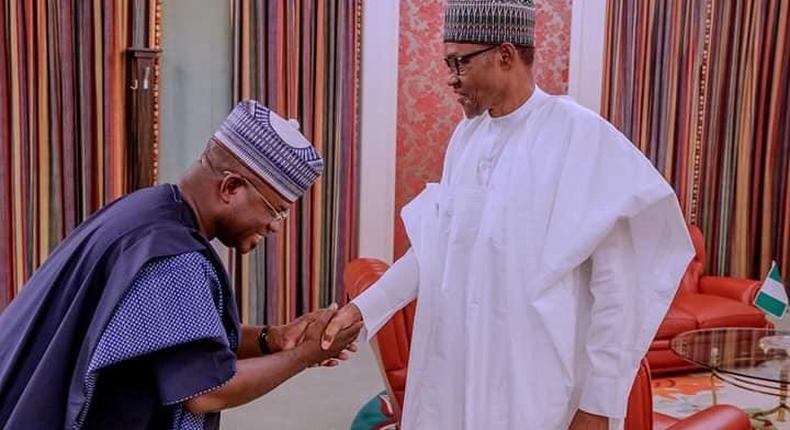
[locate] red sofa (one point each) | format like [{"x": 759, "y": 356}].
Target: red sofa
[
  {"x": 703, "y": 302},
  {"x": 392, "y": 344}
]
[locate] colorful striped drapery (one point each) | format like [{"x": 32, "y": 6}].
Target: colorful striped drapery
[
  {"x": 703, "y": 88},
  {"x": 301, "y": 59},
  {"x": 63, "y": 148}
]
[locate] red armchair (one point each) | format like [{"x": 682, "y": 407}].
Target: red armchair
[
  {"x": 394, "y": 338},
  {"x": 640, "y": 415},
  {"x": 392, "y": 344},
  {"x": 703, "y": 302}
]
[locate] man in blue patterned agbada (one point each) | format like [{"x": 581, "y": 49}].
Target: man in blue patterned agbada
[{"x": 131, "y": 323}]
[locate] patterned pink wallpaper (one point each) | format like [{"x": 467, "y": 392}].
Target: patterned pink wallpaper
[{"x": 427, "y": 112}]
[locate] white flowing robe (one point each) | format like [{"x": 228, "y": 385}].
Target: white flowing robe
[{"x": 543, "y": 264}]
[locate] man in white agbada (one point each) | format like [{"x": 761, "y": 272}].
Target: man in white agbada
[{"x": 544, "y": 260}]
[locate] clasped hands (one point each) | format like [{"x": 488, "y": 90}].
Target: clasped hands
[{"x": 308, "y": 334}]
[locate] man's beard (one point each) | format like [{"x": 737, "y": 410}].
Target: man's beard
[{"x": 470, "y": 113}]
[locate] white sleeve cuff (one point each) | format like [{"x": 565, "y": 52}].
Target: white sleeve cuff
[
  {"x": 375, "y": 313},
  {"x": 394, "y": 290},
  {"x": 606, "y": 396}
]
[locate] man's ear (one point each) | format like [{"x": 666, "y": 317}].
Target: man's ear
[
  {"x": 507, "y": 55},
  {"x": 230, "y": 186}
]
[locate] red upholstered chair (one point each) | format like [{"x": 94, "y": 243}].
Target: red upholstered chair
[
  {"x": 392, "y": 342},
  {"x": 640, "y": 415},
  {"x": 394, "y": 338},
  {"x": 703, "y": 302}
]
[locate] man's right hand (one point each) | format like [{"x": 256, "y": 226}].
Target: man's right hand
[
  {"x": 348, "y": 316},
  {"x": 312, "y": 347}
]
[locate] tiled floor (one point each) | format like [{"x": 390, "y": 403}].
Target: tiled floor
[{"x": 320, "y": 399}]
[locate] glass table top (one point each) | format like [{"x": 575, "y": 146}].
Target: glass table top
[{"x": 762, "y": 354}]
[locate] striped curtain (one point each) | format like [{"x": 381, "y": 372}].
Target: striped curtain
[
  {"x": 300, "y": 58},
  {"x": 62, "y": 121},
  {"x": 703, "y": 88}
]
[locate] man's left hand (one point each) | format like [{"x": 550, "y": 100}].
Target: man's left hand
[
  {"x": 288, "y": 336},
  {"x": 585, "y": 421}
]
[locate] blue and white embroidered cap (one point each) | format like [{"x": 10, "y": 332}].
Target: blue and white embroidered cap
[{"x": 271, "y": 147}]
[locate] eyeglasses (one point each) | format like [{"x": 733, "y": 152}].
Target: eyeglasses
[
  {"x": 456, "y": 64},
  {"x": 278, "y": 215}
]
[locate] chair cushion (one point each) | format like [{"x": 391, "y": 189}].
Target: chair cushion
[
  {"x": 714, "y": 311},
  {"x": 676, "y": 321},
  {"x": 719, "y": 417},
  {"x": 663, "y": 422}
]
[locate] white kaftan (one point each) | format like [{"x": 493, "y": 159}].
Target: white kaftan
[{"x": 543, "y": 263}]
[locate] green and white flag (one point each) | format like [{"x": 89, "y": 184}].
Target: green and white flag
[{"x": 772, "y": 297}]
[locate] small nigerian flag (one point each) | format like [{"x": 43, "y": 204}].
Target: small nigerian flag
[{"x": 772, "y": 297}]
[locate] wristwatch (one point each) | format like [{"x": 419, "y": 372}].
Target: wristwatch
[{"x": 263, "y": 341}]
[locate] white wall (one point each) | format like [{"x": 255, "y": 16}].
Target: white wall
[
  {"x": 588, "y": 24},
  {"x": 196, "y": 79},
  {"x": 379, "y": 86}
]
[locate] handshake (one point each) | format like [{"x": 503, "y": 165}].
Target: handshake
[{"x": 323, "y": 337}]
